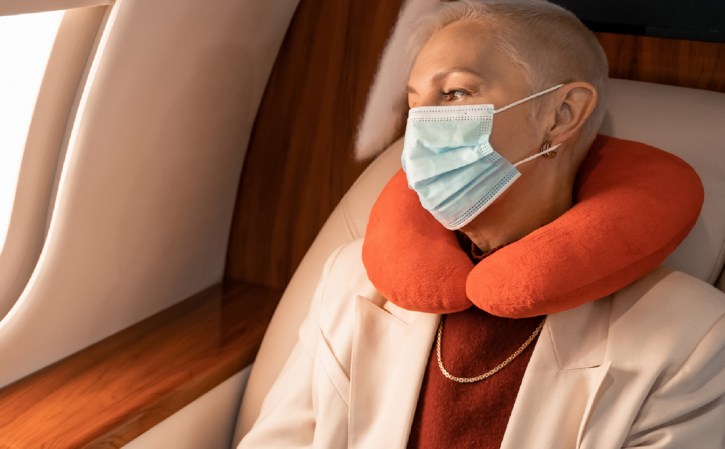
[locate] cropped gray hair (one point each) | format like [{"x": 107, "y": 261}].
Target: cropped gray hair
[{"x": 548, "y": 42}]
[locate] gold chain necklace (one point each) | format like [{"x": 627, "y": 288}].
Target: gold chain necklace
[{"x": 469, "y": 380}]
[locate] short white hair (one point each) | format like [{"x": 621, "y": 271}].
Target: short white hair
[{"x": 548, "y": 42}]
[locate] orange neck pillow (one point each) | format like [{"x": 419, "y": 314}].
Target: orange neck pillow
[{"x": 633, "y": 205}]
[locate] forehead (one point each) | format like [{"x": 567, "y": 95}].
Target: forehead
[{"x": 465, "y": 44}]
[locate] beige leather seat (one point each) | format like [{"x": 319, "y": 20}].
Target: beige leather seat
[{"x": 686, "y": 122}]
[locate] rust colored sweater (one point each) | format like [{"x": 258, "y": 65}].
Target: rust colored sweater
[{"x": 455, "y": 415}]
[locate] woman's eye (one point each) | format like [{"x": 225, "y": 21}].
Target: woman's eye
[{"x": 455, "y": 94}]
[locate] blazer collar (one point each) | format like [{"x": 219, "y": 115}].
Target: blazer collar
[
  {"x": 563, "y": 380},
  {"x": 579, "y": 336},
  {"x": 390, "y": 352}
]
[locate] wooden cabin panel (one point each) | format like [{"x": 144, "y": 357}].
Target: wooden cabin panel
[
  {"x": 116, "y": 389},
  {"x": 666, "y": 61},
  {"x": 299, "y": 161}
]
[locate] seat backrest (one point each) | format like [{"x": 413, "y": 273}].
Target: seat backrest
[{"x": 686, "y": 122}]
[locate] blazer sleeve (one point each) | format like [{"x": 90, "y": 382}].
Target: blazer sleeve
[
  {"x": 287, "y": 418},
  {"x": 688, "y": 408}
]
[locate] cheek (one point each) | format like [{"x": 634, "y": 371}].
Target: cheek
[{"x": 513, "y": 136}]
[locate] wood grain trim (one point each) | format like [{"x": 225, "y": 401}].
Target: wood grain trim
[
  {"x": 299, "y": 160},
  {"x": 111, "y": 392},
  {"x": 665, "y": 61}
]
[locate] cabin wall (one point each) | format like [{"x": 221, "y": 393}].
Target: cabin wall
[
  {"x": 54, "y": 106},
  {"x": 146, "y": 181},
  {"x": 300, "y": 158}
]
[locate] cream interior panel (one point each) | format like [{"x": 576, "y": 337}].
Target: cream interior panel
[
  {"x": 55, "y": 103},
  {"x": 8, "y": 7},
  {"x": 146, "y": 194}
]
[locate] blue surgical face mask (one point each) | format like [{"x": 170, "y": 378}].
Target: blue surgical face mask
[{"x": 449, "y": 161}]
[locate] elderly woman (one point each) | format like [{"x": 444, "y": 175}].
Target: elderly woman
[{"x": 506, "y": 98}]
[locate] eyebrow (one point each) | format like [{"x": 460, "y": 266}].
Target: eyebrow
[{"x": 444, "y": 73}]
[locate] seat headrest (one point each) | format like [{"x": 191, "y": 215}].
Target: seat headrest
[{"x": 689, "y": 124}]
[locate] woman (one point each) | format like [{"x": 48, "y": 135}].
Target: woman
[{"x": 378, "y": 365}]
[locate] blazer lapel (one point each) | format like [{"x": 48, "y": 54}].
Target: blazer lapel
[
  {"x": 389, "y": 355},
  {"x": 562, "y": 380}
]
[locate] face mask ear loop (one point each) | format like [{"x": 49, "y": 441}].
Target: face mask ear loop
[
  {"x": 548, "y": 150},
  {"x": 531, "y": 97}
]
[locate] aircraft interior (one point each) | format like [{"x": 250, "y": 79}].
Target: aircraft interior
[{"x": 181, "y": 171}]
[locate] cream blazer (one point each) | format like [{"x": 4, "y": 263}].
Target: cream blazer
[{"x": 642, "y": 368}]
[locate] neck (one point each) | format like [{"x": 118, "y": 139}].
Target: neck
[{"x": 506, "y": 221}]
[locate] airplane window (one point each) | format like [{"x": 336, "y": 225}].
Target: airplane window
[{"x": 26, "y": 41}]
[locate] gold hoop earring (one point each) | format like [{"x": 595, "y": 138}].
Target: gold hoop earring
[{"x": 545, "y": 146}]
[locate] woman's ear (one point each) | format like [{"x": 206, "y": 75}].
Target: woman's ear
[{"x": 575, "y": 103}]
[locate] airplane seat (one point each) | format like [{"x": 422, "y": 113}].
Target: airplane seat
[{"x": 686, "y": 122}]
